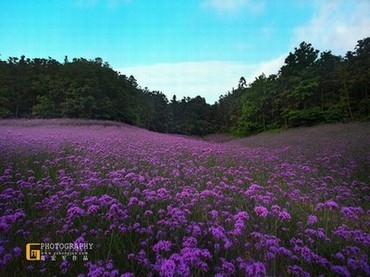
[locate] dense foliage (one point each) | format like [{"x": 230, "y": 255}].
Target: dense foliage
[
  {"x": 310, "y": 88},
  {"x": 45, "y": 88}
]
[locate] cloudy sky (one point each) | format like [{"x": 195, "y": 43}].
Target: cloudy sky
[{"x": 182, "y": 47}]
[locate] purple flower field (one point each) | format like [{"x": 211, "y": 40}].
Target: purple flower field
[{"x": 294, "y": 203}]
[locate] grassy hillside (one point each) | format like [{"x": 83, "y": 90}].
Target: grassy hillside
[{"x": 292, "y": 203}]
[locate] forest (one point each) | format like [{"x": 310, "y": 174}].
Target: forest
[{"x": 311, "y": 88}]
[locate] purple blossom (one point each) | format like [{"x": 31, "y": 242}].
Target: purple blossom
[
  {"x": 17, "y": 251},
  {"x": 64, "y": 265},
  {"x": 340, "y": 270},
  {"x": 307, "y": 254},
  {"x": 75, "y": 211},
  {"x": 252, "y": 189},
  {"x": 284, "y": 216},
  {"x": 133, "y": 201},
  {"x": 213, "y": 214},
  {"x": 339, "y": 256},
  {"x": 296, "y": 270},
  {"x": 163, "y": 245},
  {"x": 255, "y": 269},
  {"x": 352, "y": 213},
  {"x": 6, "y": 259},
  {"x": 190, "y": 242},
  {"x": 128, "y": 274},
  {"x": 242, "y": 216},
  {"x": 193, "y": 256},
  {"x": 261, "y": 211},
  {"x": 331, "y": 204},
  {"x": 228, "y": 268},
  {"x": 92, "y": 209},
  {"x": 178, "y": 206},
  {"x": 217, "y": 232},
  {"x": 312, "y": 219},
  {"x": 168, "y": 268},
  {"x": 364, "y": 265},
  {"x": 275, "y": 209},
  {"x": 148, "y": 213}
]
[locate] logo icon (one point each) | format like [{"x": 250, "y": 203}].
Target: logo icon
[{"x": 33, "y": 252}]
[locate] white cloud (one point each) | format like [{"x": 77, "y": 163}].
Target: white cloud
[
  {"x": 209, "y": 79},
  {"x": 232, "y": 6},
  {"x": 336, "y": 25},
  {"x": 268, "y": 67}
]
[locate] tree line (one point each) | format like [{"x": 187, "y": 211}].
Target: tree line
[
  {"x": 310, "y": 88},
  {"x": 81, "y": 88}
]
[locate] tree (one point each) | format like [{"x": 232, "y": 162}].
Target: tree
[
  {"x": 310, "y": 88},
  {"x": 356, "y": 74},
  {"x": 299, "y": 74},
  {"x": 328, "y": 97}
]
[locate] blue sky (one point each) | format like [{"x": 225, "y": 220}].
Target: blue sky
[{"x": 187, "y": 48}]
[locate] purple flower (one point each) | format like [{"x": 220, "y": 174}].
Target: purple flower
[
  {"x": 190, "y": 242},
  {"x": 183, "y": 269},
  {"x": 284, "y": 251},
  {"x": 133, "y": 201},
  {"x": 196, "y": 230},
  {"x": 319, "y": 206},
  {"x": 284, "y": 216},
  {"x": 228, "y": 268},
  {"x": 92, "y": 209},
  {"x": 227, "y": 243},
  {"x": 214, "y": 214},
  {"x": 148, "y": 213},
  {"x": 339, "y": 256},
  {"x": 64, "y": 265},
  {"x": 317, "y": 233},
  {"x": 275, "y": 209},
  {"x": 7, "y": 258},
  {"x": 307, "y": 254},
  {"x": 190, "y": 207},
  {"x": 128, "y": 274},
  {"x": 195, "y": 256},
  {"x": 17, "y": 251},
  {"x": 242, "y": 215},
  {"x": 312, "y": 219},
  {"x": 255, "y": 269},
  {"x": 261, "y": 211},
  {"x": 168, "y": 268},
  {"x": 217, "y": 232},
  {"x": 163, "y": 245},
  {"x": 340, "y": 270},
  {"x": 331, "y": 204},
  {"x": 163, "y": 193},
  {"x": 364, "y": 265},
  {"x": 352, "y": 213},
  {"x": 296, "y": 270},
  {"x": 252, "y": 189},
  {"x": 75, "y": 211}
]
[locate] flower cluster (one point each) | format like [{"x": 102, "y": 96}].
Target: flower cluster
[{"x": 165, "y": 205}]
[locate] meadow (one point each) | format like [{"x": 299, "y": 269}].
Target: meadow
[{"x": 294, "y": 203}]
